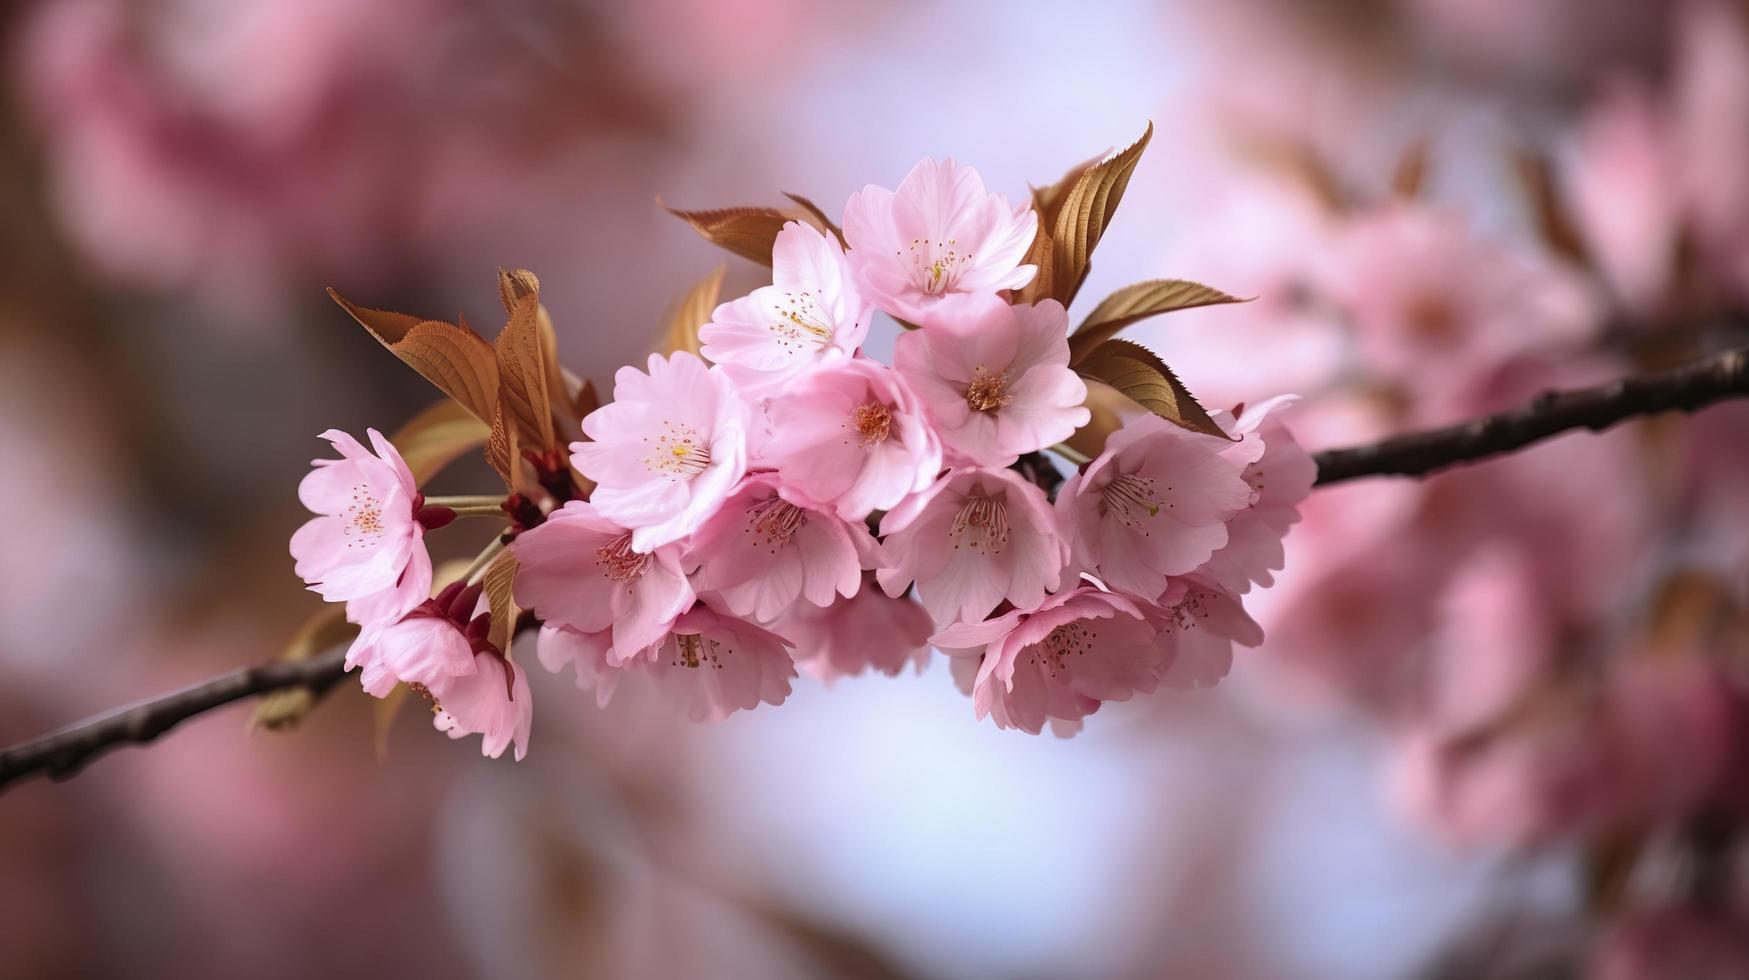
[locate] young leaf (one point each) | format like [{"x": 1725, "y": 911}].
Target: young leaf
[
  {"x": 438, "y": 436},
  {"x": 499, "y": 580},
  {"x": 504, "y": 449},
  {"x": 513, "y": 284},
  {"x": 1410, "y": 176},
  {"x": 1048, "y": 202},
  {"x": 819, "y": 217},
  {"x": 691, "y": 312},
  {"x": 453, "y": 358},
  {"x": 283, "y": 709},
  {"x": 526, "y": 363},
  {"x": 1556, "y": 224},
  {"x": 1082, "y": 214},
  {"x": 382, "y": 718},
  {"x": 1139, "y": 373},
  {"x": 1138, "y": 302},
  {"x": 748, "y": 232}
]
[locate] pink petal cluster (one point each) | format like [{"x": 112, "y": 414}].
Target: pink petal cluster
[
  {"x": 940, "y": 235},
  {"x": 727, "y": 542},
  {"x": 366, "y": 546}
]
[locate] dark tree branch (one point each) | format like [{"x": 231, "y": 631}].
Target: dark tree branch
[
  {"x": 1686, "y": 388},
  {"x": 61, "y": 754}
]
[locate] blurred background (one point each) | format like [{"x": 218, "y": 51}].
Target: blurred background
[{"x": 1498, "y": 730}]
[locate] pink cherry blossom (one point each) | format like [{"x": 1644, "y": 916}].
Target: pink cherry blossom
[
  {"x": 811, "y": 315},
  {"x": 939, "y": 235},
  {"x": 1418, "y": 283},
  {"x": 441, "y": 651},
  {"x": 870, "y": 630},
  {"x": 972, "y": 539},
  {"x": 667, "y": 450},
  {"x": 1201, "y": 622},
  {"x": 713, "y": 664},
  {"x": 423, "y": 648},
  {"x": 578, "y": 571},
  {"x": 1280, "y": 473},
  {"x": 770, "y": 546},
  {"x": 854, "y": 435},
  {"x": 1060, "y": 660},
  {"x": 995, "y": 378},
  {"x": 1153, "y": 504},
  {"x": 367, "y": 546},
  {"x": 589, "y": 654},
  {"x": 493, "y": 701}
]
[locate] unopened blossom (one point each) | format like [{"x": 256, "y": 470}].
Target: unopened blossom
[
  {"x": 812, "y": 314},
  {"x": 1280, "y": 474},
  {"x": 578, "y": 570},
  {"x": 1201, "y": 622},
  {"x": 441, "y": 651},
  {"x": 771, "y": 546},
  {"x": 995, "y": 379},
  {"x": 1060, "y": 660},
  {"x": 1153, "y": 504},
  {"x": 713, "y": 663},
  {"x": 974, "y": 538},
  {"x": 941, "y": 234},
  {"x": 667, "y": 450},
  {"x": 868, "y": 631},
  {"x": 853, "y": 435},
  {"x": 366, "y": 547}
]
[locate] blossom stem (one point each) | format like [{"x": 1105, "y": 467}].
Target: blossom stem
[
  {"x": 477, "y": 570},
  {"x": 472, "y": 502}
]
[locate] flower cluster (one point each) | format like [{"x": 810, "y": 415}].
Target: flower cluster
[{"x": 780, "y": 498}]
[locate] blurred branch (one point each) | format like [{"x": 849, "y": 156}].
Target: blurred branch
[
  {"x": 1686, "y": 388},
  {"x": 61, "y": 754}
]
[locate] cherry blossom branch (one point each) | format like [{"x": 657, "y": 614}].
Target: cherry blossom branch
[
  {"x": 1688, "y": 387},
  {"x": 62, "y": 754}
]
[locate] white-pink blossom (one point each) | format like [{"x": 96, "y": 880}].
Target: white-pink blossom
[
  {"x": 853, "y": 435},
  {"x": 578, "y": 570},
  {"x": 1280, "y": 473},
  {"x": 713, "y": 663},
  {"x": 667, "y": 450},
  {"x": 366, "y": 547},
  {"x": 1201, "y": 622},
  {"x": 1153, "y": 504},
  {"x": 868, "y": 631},
  {"x": 941, "y": 234},
  {"x": 771, "y": 545},
  {"x": 1061, "y": 659},
  {"x": 974, "y": 538},
  {"x": 994, "y": 378},
  {"x": 811, "y": 315}
]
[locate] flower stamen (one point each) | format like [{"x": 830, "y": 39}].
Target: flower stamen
[
  {"x": 873, "y": 422},
  {"x": 1128, "y": 496},
  {"x": 619, "y": 562},
  {"x": 982, "y": 524},
  {"x": 988, "y": 392},
  {"x": 679, "y": 452},
  {"x": 774, "y": 521}
]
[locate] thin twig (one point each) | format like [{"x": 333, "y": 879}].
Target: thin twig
[
  {"x": 1686, "y": 388},
  {"x": 63, "y": 753}
]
